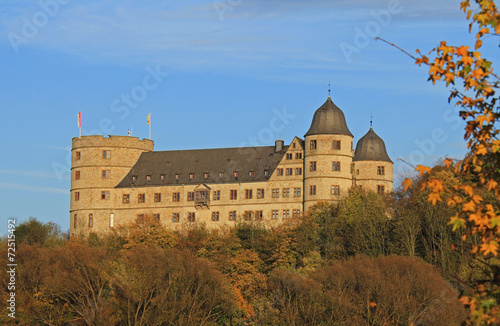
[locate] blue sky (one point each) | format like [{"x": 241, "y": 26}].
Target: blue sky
[{"x": 221, "y": 72}]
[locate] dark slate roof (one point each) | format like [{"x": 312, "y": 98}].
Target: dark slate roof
[
  {"x": 200, "y": 161},
  {"x": 328, "y": 119},
  {"x": 371, "y": 148}
]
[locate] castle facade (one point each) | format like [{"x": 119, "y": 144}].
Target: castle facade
[{"x": 116, "y": 180}]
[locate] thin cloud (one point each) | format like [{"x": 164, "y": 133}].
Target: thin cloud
[
  {"x": 16, "y": 186},
  {"x": 32, "y": 174}
]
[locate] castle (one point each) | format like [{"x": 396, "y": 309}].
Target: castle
[{"x": 116, "y": 180}]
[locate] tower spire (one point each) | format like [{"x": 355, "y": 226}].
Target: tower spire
[
  {"x": 328, "y": 89},
  {"x": 371, "y": 122}
]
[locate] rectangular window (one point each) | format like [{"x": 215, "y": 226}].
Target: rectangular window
[
  {"x": 176, "y": 196},
  {"x": 215, "y": 216},
  {"x": 336, "y": 144},
  {"x": 206, "y": 175},
  {"x": 312, "y": 190},
  {"x": 296, "y": 192},
  {"x": 236, "y": 174},
  {"x": 380, "y": 170},
  {"x": 78, "y": 156},
  {"x": 276, "y": 193},
  {"x": 126, "y": 198},
  {"x": 191, "y": 176},
  {"x": 111, "y": 220},
  {"x": 259, "y": 215},
  {"x": 251, "y": 173},
  {"x": 335, "y": 190},
  {"x": 289, "y": 171},
  {"x": 221, "y": 174},
  {"x": 162, "y": 176},
  {"x": 247, "y": 216},
  {"x": 298, "y": 156},
  {"x": 156, "y": 217},
  {"x": 298, "y": 171},
  {"x": 106, "y": 154},
  {"x": 140, "y": 218},
  {"x": 313, "y": 166},
  {"x": 232, "y": 215},
  {"x": 77, "y": 175},
  {"x": 286, "y": 192},
  {"x": 75, "y": 219},
  {"x": 77, "y": 195},
  {"x": 217, "y": 195},
  {"x": 296, "y": 213},
  {"x": 106, "y": 174},
  {"x": 105, "y": 195},
  {"x": 134, "y": 178},
  {"x": 286, "y": 213},
  {"x": 233, "y": 195},
  {"x": 275, "y": 214},
  {"x": 191, "y": 217},
  {"x": 357, "y": 171},
  {"x": 266, "y": 173},
  {"x": 313, "y": 144},
  {"x": 380, "y": 190},
  {"x": 289, "y": 156},
  {"x": 91, "y": 220},
  {"x": 148, "y": 177},
  {"x": 157, "y": 197},
  {"x": 336, "y": 166},
  {"x": 260, "y": 193},
  {"x": 141, "y": 198},
  {"x": 279, "y": 171},
  {"x": 248, "y": 193},
  {"x": 190, "y": 196},
  {"x": 202, "y": 195},
  {"x": 175, "y": 217},
  {"x": 177, "y": 176}
]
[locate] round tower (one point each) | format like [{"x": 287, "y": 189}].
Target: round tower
[
  {"x": 372, "y": 166},
  {"x": 328, "y": 156},
  {"x": 98, "y": 164}
]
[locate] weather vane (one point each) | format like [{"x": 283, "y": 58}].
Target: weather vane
[{"x": 328, "y": 89}]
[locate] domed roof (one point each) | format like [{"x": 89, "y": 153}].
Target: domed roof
[
  {"x": 328, "y": 119},
  {"x": 371, "y": 148}
]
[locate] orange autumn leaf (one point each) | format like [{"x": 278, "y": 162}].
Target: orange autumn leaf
[
  {"x": 423, "y": 169},
  {"x": 492, "y": 184},
  {"x": 434, "y": 198},
  {"x": 469, "y": 207},
  {"x": 491, "y": 247},
  {"x": 407, "y": 183}
]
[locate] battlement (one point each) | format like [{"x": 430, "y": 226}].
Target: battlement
[{"x": 113, "y": 141}]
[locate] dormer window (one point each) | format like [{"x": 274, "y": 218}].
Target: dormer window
[
  {"x": 266, "y": 173},
  {"x": 148, "y": 177},
  {"x": 251, "y": 173},
  {"x": 162, "y": 176},
  {"x": 236, "y": 174},
  {"x": 134, "y": 178},
  {"x": 177, "y": 176},
  {"x": 191, "y": 175},
  {"x": 221, "y": 174},
  {"x": 206, "y": 175}
]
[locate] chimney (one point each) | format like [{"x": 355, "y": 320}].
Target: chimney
[{"x": 278, "y": 147}]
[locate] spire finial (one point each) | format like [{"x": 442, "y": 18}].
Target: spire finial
[
  {"x": 371, "y": 122},
  {"x": 328, "y": 89}
]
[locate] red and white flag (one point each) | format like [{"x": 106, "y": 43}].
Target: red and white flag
[{"x": 79, "y": 119}]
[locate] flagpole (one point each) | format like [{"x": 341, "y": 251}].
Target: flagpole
[{"x": 150, "y": 131}]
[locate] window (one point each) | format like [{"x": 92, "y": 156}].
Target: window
[
  {"x": 236, "y": 174},
  {"x": 78, "y": 156},
  {"x": 380, "y": 190},
  {"x": 221, "y": 174},
  {"x": 259, "y": 215},
  {"x": 215, "y": 216},
  {"x": 167, "y": 163},
  {"x": 233, "y": 194},
  {"x": 286, "y": 192},
  {"x": 111, "y": 220},
  {"x": 148, "y": 177},
  {"x": 251, "y": 173},
  {"x": 191, "y": 217},
  {"x": 177, "y": 176},
  {"x": 176, "y": 196},
  {"x": 91, "y": 220},
  {"x": 289, "y": 171},
  {"x": 335, "y": 190},
  {"x": 203, "y": 195},
  {"x": 313, "y": 144},
  {"x": 191, "y": 175},
  {"x": 313, "y": 166},
  {"x": 289, "y": 156},
  {"x": 260, "y": 193},
  {"x": 77, "y": 195},
  {"x": 134, "y": 178},
  {"x": 106, "y": 154},
  {"x": 217, "y": 195},
  {"x": 126, "y": 198},
  {"x": 141, "y": 198},
  {"x": 140, "y": 218},
  {"x": 380, "y": 170},
  {"x": 298, "y": 156},
  {"x": 312, "y": 190},
  {"x": 77, "y": 175},
  {"x": 75, "y": 219},
  {"x": 190, "y": 196},
  {"x": 106, "y": 174},
  {"x": 162, "y": 176},
  {"x": 248, "y": 193},
  {"x": 105, "y": 195},
  {"x": 298, "y": 171},
  {"x": 296, "y": 213},
  {"x": 232, "y": 215},
  {"x": 276, "y": 193},
  {"x": 336, "y": 144},
  {"x": 206, "y": 175},
  {"x": 293, "y": 145},
  {"x": 266, "y": 173},
  {"x": 296, "y": 192},
  {"x": 247, "y": 216},
  {"x": 275, "y": 214},
  {"x": 156, "y": 217},
  {"x": 357, "y": 171},
  {"x": 280, "y": 171},
  {"x": 175, "y": 217},
  {"x": 157, "y": 197},
  {"x": 336, "y": 166},
  {"x": 286, "y": 213}
]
